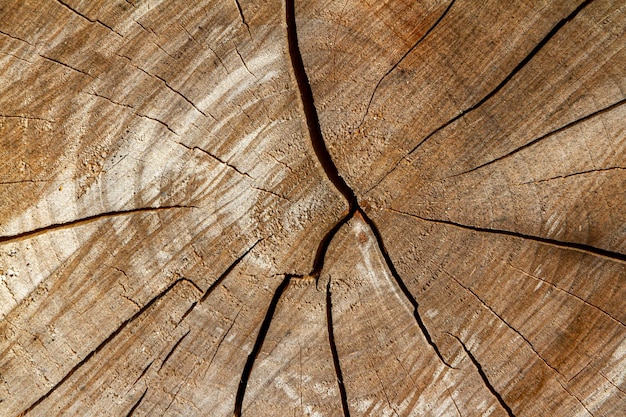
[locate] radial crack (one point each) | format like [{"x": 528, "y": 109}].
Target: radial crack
[
  {"x": 403, "y": 287},
  {"x": 488, "y": 307},
  {"x": 579, "y": 247},
  {"x": 310, "y": 112},
  {"x": 595, "y": 307},
  {"x": 258, "y": 344},
  {"x": 85, "y": 220},
  {"x": 493, "y": 92},
  {"x": 243, "y": 18},
  {"x": 134, "y": 111},
  {"x": 171, "y": 352},
  {"x": 218, "y": 159},
  {"x": 415, "y": 45},
  {"x": 88, "y": 19},
  {"x": 486, "y": 381},
  {"x": 589, "y": 171},
  {"x": 56, "y": 61},
  {"x": 106, "y": 341},
  {"x": 545, "y": 136},
  {"x": 333, "y": 350},
  {"x": 134, "y": 407}
]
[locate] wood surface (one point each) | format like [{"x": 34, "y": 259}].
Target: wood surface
[{"x": 312, "y": 208}]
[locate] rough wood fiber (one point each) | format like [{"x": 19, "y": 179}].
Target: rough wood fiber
[{"x": 325, "y": 208}]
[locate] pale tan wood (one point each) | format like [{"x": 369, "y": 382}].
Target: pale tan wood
[{"x": 176, "y": 236}]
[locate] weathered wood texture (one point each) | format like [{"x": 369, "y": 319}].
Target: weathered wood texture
[{"x": 326, "y": 208}]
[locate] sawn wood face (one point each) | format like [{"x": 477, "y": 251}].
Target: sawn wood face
[{"x": 320, "y": 208}]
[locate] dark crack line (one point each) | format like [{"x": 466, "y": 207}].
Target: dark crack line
[
  {"x": 10, "y": 116},
  {"x": 310, "y": 112},
  {"x": 403, "y": 287},
  {"x": 85, "y": 220},
  {"x": 56, "y": 61},
  {"x": 587, "y": 303},
  {"x": 545, "y": 136},
  {"x": 106, "y": 341},
  {"x": 415, "y": 45},
  {"x": 134, "y": 110},
  {"x": 216, "y": 158},
  {"x": 454, "y": 402},
  {"x": 589, "y": 171},
  {"x": 258, "y": 344},
  {"x": 493, "y": 92},
  {"x": 488, "y": 307},
  {"x": 243, "y": 18},
  {"x": 16, "y": 38},
  {"x": 171, "y": 352},
  {"x": 143, "y": 373},
  {"x": 483, "y": 375},
  {"x": 333, "y": 350},
  {"x": 88, "y": 19},
  {"x": 134, "y": 407},
  {"x": 227, "y": 272},
  {"x": 579, "y": 247},
  {"x": 219, "y": 344},
  {"x": 181, "y": 95}
]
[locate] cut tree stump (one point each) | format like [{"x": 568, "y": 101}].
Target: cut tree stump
[{"x": 341, "y": 208}]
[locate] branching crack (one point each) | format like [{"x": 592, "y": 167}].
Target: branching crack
[
  {"x": 579, "y": 247},
  {"x": 483, "y": 375},
  {"x": 89, "y": 219},
  {"x": 393, "y": 67}
]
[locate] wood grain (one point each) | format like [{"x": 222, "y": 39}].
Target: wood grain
[{"x": 324, "y": 208}]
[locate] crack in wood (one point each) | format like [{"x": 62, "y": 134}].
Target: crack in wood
[
  {"x": 67, "y": 6},
  {"x": 16, "y": 38},
  {"x": 171, "y": 352},
  {"x": 243, "y": 21},
  {"x": 86, "y": 220},
  {"x": 333, "y": 350},
  {"x": 258, "y": 344},
  {"x": 106, "y": 341},
  {"x": 493, "y": 92},
  {"x": 587, "y": 303},
  {"x": 483, "y": 375},
  {"x": 545, "y": 136},
  {"x": 134, "y": 407},
  {"x": 143, "y": 373},
  {"x": 56, "y": 61},
  {"x": 578, "y": 247},
  {"x": 488, "y": 307},
  {"x": 135, "y": 111},
  {"x": 589, "y": 171},
  {"x": 394, "y": 66}
]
